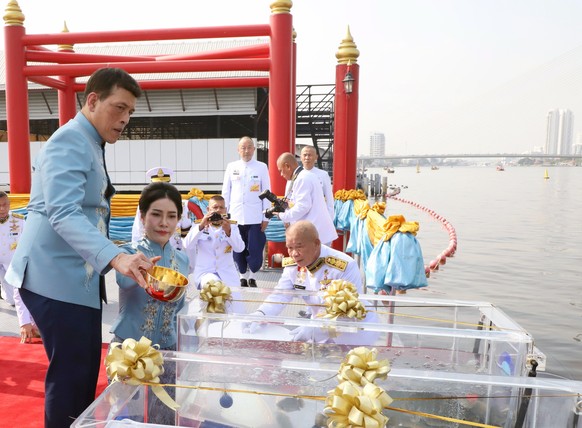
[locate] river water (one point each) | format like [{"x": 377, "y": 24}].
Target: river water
[{"x": 519, "y": 246}]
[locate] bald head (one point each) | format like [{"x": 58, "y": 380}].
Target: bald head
[
  {"x": 308, "y": 157},
  {"x": 303, "y": 244},
  {"x": 286, "y": 164},
  {"x": 287, "y": 158},
  {"x": 304, "y": 229},
  {"x": 246, "y": 148}
]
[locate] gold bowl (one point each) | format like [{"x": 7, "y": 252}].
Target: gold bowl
[{"x": 165, "y": 284}]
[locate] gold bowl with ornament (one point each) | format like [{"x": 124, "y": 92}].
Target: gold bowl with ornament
[{"x": 165, "y": 284}]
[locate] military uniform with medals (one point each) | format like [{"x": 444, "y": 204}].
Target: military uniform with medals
[
  {"x": 213, "y": 252},
  {"x": 331, "y": 264}
]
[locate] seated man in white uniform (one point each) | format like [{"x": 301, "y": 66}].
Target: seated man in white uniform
[
  {"x": 160, "y": 173},
  {"x": 211, "y": 242},
  {"x": 311, "y": 267}
]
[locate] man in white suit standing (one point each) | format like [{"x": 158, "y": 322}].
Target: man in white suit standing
[
  {"x": 305, "y": 197},
  {"x": 308, "y": 159}
]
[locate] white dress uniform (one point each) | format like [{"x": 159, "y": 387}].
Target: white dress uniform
[
  {"x": 137, "y": 230},
  {"x": 212, "y": 250},
  {"x": 330, "y": 265},
  {"x": 306, "y": 202},
  {"x": 10, "y": 231},
  {"x": 327, "y": 191},
  {"x": 243, "y": 183}
]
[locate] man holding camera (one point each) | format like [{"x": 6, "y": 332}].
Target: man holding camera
[
  {"x": 211, "y": 242},
  {"x": 305, "y": 198},
  {"x": 244, "y": 180}
]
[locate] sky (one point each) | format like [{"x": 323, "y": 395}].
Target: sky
[{"x": 436, "y": 76}]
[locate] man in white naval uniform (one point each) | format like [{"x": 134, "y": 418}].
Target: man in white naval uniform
[
  {"x": 308, "y": 159},
  {"x": 211, "y": 244},
  {"x": 244, "y": 181},
  {"x": 11, "y": 227},
  {"x": 305, "y": 197},
  {"x": 160, "y": 173},
  {"x": 311, "y": 267}
]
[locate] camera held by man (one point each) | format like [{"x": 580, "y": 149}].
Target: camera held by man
[
  {"x": 279, "y": 204},
  {"x": 216, "y": 218}
]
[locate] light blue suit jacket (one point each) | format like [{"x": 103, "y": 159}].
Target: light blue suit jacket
[{"x": 64, "y": 247}]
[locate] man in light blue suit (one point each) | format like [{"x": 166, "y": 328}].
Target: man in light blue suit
[{"x": 65, "y": 251}]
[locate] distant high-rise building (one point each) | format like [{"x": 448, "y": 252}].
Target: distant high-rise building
[
  {"x": 560, "y": 132},
  {"x": 577, "y": 147},
  {"x": 377, "y": 144}
]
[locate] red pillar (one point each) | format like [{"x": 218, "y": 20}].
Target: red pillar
[
  {"x": 16, "y": 101},
  {"x": 66, "y": 97},
  {"x": 294, "y": 96},
  {"x": 280, "y": 99},
  {"x": 280, "y": 82},
  {"x": 345, "y": 146}
]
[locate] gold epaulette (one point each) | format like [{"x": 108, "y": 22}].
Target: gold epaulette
[
  {"x": 16, "y": 215},
  {"x": 232, "y": 221},
  {"x": 314, "y": 267},
  {"x": 198, "y": 221},
  {"x": 339, "y": 264},
  {"x": 288, "y": 261}
]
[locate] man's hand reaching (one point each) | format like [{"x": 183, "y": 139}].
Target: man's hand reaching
[{"x": 134, "y": 266}]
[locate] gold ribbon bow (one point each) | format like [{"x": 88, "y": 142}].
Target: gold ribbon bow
[
  {"x": 345, "y": 195},
  {"x": 341, "y": 300},
  {"x": 397, "y": 223},
  {"x": 196, "y": 192},
  {"x": 216, "y": 294},
  {"x": 350, "y": 405},
  {"x": 137, "y": 362},
  {"x": 361, "y": 366}
]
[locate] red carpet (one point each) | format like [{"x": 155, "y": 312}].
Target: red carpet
[{"x": 22, "y": 371}]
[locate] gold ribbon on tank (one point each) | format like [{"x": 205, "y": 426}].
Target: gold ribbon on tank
[
  {"x": 361, "y": 367},
  {"x": 216, "y": 294},
  {"x": 137, "y": 362},
  {"x": 350, "y": 405},
  {"x": 341, "y": 299}
]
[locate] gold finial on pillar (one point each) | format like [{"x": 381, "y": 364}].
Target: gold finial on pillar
[
  {"x": 13, "y": 14},
  {"x": 347, "y": 51},
  {"x": 281, "y": 6},
  {"x": 68, "y": 48}
]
